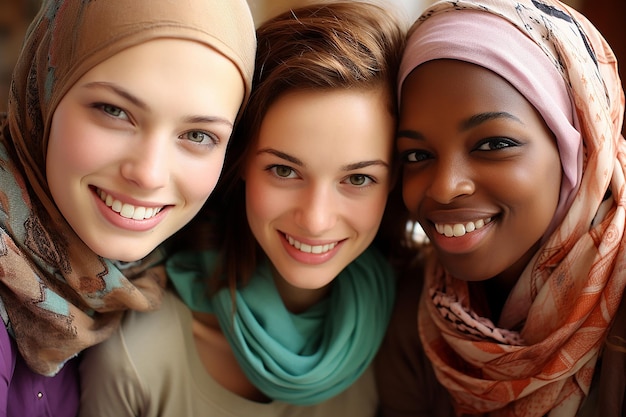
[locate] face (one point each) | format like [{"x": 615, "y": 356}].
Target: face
[
  {"x": 481, "y": 170},
  {"x": 317, "y": 181},
  {"x": 137, "y": 144}
]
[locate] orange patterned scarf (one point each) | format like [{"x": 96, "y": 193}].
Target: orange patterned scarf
[{"x": 540, "y": 358}]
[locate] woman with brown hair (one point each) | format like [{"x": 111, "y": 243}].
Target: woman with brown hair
[{"x": 282, "y": 305}]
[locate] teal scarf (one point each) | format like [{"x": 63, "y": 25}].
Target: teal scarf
[{"x": 304, "y": 358}]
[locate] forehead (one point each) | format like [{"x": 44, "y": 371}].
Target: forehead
[
  {"x": 347, "y": 123},
  {"x": 172, "y": 76},
  {"x": 459, "y": 88}
]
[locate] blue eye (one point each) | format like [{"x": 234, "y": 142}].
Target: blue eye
[{"x": 113, "y": 111}]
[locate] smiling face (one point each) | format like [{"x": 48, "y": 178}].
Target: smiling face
[
  {"x": 317, "y": 181},
  {"x": 137, "y": 144},
  {"x": 481, "y": 169}
]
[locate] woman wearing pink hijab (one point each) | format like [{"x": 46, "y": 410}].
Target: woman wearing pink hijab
[{"x": 510, "y": 121}]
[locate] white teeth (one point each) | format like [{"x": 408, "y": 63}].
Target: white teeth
[
  {"x": 128, "y": 210},
  {"x": 460, "y": 229},
  {"x": 315, "y": 249}
]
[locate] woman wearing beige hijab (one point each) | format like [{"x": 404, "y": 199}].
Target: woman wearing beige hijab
[{"x": 119, "y": 116}]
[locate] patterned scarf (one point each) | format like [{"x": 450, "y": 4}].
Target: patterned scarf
[
  {"x": 57, "y": 297},
  {"x": 304, "y": 358},
  {"x": 540, "y": 358}
]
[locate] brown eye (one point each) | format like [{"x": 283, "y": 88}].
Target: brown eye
[
  {"x": 283, "y": 171},
  {"x": 200, "y": 137},
  {"x": 360, "y": 180}
]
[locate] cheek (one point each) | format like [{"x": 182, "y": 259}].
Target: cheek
[
  {"x": 533, "y": 195},
  {"x": 371, "y": 213},
  {"x": 261, "y": 205},
  {"x": 198, "y": 179},
  {"x": 76, "y": 144},
  {"x": 71, "y": 150}
]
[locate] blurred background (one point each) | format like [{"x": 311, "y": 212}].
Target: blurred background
[{"x": 15, "y": 15}]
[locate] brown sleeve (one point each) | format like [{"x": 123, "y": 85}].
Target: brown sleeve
[{"x": 406, "y": 382}]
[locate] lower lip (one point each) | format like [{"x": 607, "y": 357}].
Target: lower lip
[
  {"x": 461, "y": 244},
  {"x": 309, "y": 258},
  {"x": 128, "y": 224}
]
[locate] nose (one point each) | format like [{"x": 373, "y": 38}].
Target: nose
[
  {"x": 317, "y": 210},
  {"x": 452, "y": 179},
  {"x": 147, "y": 165}
]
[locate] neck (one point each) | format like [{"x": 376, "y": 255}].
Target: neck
[
  {"x": 497, "y": 289},
  {"x": 298, "y": 300}
]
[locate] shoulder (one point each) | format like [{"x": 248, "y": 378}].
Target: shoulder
[
  {"x": 25, "y": 392},
  {"x": 146, "y": 338},
  {"x": 360, "y": 399},
  {"x": 123, "y": 374},
  {"x": 8, "y": 353},
  {"x": 406, "y": 381},
  {"x": 402, "y": 333}
]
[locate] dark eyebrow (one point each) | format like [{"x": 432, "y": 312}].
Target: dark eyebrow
[
  {"x": 143, "y": 106},
  {"x": 409, "y": 134},
  {"x": 477, "y": 119},
  {"x": 471, "y": 122},
  {"x": 281, "y": 155},
  {"x": 365, "y": 164},
  {"x": 296, "y": 161}
]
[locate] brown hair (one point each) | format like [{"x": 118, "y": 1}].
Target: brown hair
[{"x": 333, "y": 46}]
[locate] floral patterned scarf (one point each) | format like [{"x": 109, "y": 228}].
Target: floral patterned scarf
[
  {"x": 540, "y": 358},
  {"x": 57, "y": 297}
]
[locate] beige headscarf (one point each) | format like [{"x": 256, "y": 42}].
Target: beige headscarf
[
  {"x": 540, "y": 358},
  {"x": 57, "y": 297}
]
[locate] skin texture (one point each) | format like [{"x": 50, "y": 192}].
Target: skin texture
[
  {"x": 125, "y": 129},
  {"x": 474, "y": 149},
  {"x": 320, "y": 173}
]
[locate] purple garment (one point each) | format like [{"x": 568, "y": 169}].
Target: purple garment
[{"x": 24, "y": 393}]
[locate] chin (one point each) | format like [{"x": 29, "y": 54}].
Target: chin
[
  {"x": 123, "y": 255},
  {"x": 312, "y": 284}
]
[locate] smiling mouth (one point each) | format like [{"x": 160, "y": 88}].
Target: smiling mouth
[
  {"x": 126, "y": 210},
  {"x": 314, "y": 249},
  {"x": 460, "y": 229}
]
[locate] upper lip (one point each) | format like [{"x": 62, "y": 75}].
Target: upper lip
[
  {"x": 458, "y": 216},
  {"x": 129, "y": 200},
  {"x": 312, "y": 242}
]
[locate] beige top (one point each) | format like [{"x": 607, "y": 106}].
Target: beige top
[{"x": 150, "y": 367}]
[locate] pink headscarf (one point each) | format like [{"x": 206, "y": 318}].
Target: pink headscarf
[
  {"x": 555, "y": 322},
  {"x": 489, "y": 41}
]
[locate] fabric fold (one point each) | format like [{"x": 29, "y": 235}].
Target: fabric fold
[{"x": 301, "y": 358}]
